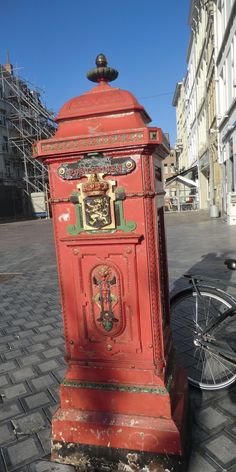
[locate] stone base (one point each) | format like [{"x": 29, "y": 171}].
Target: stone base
[
  {"x": 95, "y": 441},
  {"x": 110, "y": 425},
  {"x": 106, "y": 459}
]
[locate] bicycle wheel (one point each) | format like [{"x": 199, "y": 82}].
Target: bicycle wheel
[{"x": 190, "y": 314}]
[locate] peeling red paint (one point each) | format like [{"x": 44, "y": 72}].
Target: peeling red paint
[{"x": 122, "y": 388}]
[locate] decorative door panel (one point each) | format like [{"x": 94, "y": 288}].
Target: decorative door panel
[{"x": 107, "y": 309}]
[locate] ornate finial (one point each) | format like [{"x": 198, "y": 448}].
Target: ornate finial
[
  {"x": 102, "y": 72},
  {"x": 101, "y": 60}
]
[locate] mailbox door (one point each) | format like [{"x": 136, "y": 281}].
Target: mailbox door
[{"x": 102, "y": 299}]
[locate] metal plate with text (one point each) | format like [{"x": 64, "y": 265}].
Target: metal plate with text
[{"x": 95, "y": 164}]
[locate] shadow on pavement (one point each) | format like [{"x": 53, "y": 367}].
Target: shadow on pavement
[
  {"x": 211, "y": 265},
  {"x": 213, "y": 413}
]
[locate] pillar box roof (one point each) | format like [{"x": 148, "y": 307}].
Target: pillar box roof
[
  {"x": 103, "y": 111},
  {"x": 103, "y": 108}
]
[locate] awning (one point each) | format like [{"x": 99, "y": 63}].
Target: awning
[
  {"x": 181, "y": 176},
  {"x": 189, "y": 182}
]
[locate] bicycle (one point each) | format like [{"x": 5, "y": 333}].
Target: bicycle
[{"x": 204, "y": 332}]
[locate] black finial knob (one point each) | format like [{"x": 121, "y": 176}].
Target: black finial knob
[
  {"x": 102, "y": 72},
  {"x": 101, "y": 60}
]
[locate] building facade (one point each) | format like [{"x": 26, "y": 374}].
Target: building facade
[
  {"x": 181, "y": 142},
  {"x": 23, "y": 120},
  {"x": 225, "y": 34},
  {"x": 208, "y": 100}
]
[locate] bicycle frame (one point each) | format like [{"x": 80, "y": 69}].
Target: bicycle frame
[{"x": 204, "y": 337}]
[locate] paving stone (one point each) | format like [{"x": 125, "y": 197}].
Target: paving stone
[
  {"x": 223, "y": 449},
  {"x": 198, "y": 434},
  {"x": 48, "y": 365},
  {"x": 23, "y": 373},
  {"x": 4, "y": 347},
  {"x": 59, "y": 324},
  {"x": 36, "y": 401},
  {"x": 6, "y": 366},
  {"x": 3, "y": 380},
  {"x": 59, "y": 374},
  {"x": 53, "y": 352},
  {"x": 40, "y": 337},
  {"x": 57, "y": 331},
  {"x": 198, "y": 463},
  {"x": 36, "y": 347},
  {"x": 232, "y": 469},
  {"x": 31, "y": 423},
  {"x": 45, "y": 328},
  {"x": 56, "y": 341},
  {"x": 13, "y": 354},
  {"x": 2, "y": 465},
  {"x": 228, "y": 404},
  {"x": 26, "y": 309},
  {"x": 9, "y": 411},
  {"x": 46, "y": 466},
  {"x": 232, "y": 429},
  {"x": 51, "y": 319},
  {"x": 19, "y": 321},
  {"x": 21, "y": 453},
  {"x": 4, "y": 324},
  {"x": 27, "y": 333},
  {"x": 30, "y": 359},
  {"x": 7, "y": 339},
  {"x": 49, "y": 411},
  {"x": 22, "y": 469},
  {"x": 32, "y": 324},
  {"x": 210, "y": 418},
  {"x": 42, "y": 382},
  {"x": 12, "y": 330},
  {"x": 45, "y": 439},
  {"x": 20, "y": 343},
  {"x": 15, "y": 391},
  {"x": 54, "y": 391},
  {"x": 6, "y": 433}
]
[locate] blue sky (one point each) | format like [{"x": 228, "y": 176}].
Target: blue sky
[{"x": 54, "y": 43}]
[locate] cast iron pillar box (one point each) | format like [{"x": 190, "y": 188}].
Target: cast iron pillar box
[{"x": 122, "y": 392}]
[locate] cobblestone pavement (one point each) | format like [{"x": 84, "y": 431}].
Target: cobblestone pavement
[
  {"x": 31, "y": 343},
  {"x": 199, "y": 245}
]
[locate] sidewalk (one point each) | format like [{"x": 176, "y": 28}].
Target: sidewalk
[
  {"x": 31, "y": 342},
  {"x": 198, "y": 244}
]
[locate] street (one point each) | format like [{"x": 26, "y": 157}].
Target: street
[{"x": 31, "y": 342}]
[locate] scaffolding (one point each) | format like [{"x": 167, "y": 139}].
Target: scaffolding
[{"x": 27, "y": 120}]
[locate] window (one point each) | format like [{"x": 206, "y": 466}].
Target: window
[
  {"x": 7, "y": 168},
  {"x": 233, "y": 52},
  {"x": 165, "y": 168},
  {"x": 232, "y": 177},
  {"x": 2, "y": 117},
  {"x": 172, "y": 168},
  {"x": 17, "y": 169},
  {"x": 5, "y": 143}
]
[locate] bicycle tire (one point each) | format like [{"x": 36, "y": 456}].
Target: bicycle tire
[{"x": 205, "y": 370}]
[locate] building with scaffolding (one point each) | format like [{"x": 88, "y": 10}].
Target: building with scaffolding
[{"x": 23, "y": 120}]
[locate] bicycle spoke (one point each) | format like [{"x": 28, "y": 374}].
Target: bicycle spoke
[
  {"x": 207, "y": 366},
  {"x": 193, "y": 312},
  {"x": 217, "y": 312}
]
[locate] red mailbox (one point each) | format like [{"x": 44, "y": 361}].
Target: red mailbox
[{"x": 123, "y": 391}]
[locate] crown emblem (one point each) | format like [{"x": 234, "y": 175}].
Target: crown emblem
[{"x": 95, "y": 186}]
